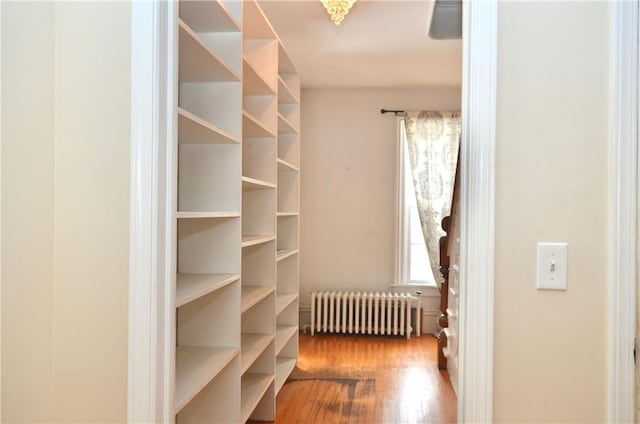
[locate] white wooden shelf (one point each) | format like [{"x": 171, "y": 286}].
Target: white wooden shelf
[
  {"x": 195, "y": 130},
  {"x": 286, "y": 214},
  {"x": 283, "y": 335},
  {"x": 284, "y": 367},
  {"x": 251, "y": 348},
  {"x": 256, "y": 24},
  {"x": 253, "y": 387},
  {"x": 252, "y": 83},
  {"x": 256, "y": 239},
  {"x": 251, "y": 127},
  {"x": 251, "y": 295},
  {"x": 208, "y": 16},
  {"x": 284, "y": 300},
  {"x": 283, "y": 165},
  {"x": 284, "y": 126},
  {"x": 285, "y": 64},
  {"x": 249, "y": 184},
  {"x": 196, "y": 215},
  {"x": 285, "y": 253},
  {"x": 190, "y": 287},
  {"x": 289, "y": 148},
  {"x": 196, "y": 366},
  {"x": 197, "y": 62},
  {"x": 285, "y": 95}
]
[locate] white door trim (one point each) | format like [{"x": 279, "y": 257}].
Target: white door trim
[
  {"x": 152, "y": 213},
  {"x": 623, "y": 152},
  {"x": 1, "y": 144},
  {"x": 477, "y": 205}
]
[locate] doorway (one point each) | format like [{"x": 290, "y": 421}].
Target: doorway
[{"x": 149, "y": 389}]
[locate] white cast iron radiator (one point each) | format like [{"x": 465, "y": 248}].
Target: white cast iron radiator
[{"x": 361, "y": 313}]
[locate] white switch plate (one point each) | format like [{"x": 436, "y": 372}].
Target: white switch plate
[{"x": 552, "y": 266}]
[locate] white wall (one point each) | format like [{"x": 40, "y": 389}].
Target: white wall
[
  {"x": 65, "y": 200},
  {"x": 27, "y": 211},
  {"x": 92, "y": 77},
  {"x": 551, "y": 185},
  {"x": 348, "y": 184}
]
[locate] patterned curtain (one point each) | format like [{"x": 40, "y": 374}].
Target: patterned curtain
[{"x": 433, "y": 139}]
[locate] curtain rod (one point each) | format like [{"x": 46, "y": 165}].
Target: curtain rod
[{"x": 395, "y": 112}]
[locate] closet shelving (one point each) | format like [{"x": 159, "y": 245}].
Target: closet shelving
[
  {"x": 288, "y": 207},
  {"x": 236, "y": 288}
]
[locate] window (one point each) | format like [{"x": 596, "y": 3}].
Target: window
[{"x": 412, "y": 264}]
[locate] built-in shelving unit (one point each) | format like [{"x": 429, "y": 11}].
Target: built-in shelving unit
[{"x": 237, "y": 216}]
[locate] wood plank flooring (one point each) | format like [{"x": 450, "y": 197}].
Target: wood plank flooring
[{"x": 344, "y": 379}]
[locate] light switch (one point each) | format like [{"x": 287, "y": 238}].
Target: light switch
[{"x": 552, "y": 266}]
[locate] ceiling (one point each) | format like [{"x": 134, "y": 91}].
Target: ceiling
[{"x": 379, "y": 44}]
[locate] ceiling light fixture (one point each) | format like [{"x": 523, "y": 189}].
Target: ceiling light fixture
[{"x": 337, "y": 9}]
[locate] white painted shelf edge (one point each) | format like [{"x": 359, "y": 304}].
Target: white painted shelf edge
[
  {"x": 190, "y": 287},
  {"x": 251, "y": 127},
  {"x": 284, "y": 367},
  {"x": 284, "y": 333},
  {"x": 251, "y": 295},
  {"x": 285, "y": 64},
  {"x": 251, "y": 347},
  {"x": 284, "y": 300},
  {"x": 197, "y": 214},
  {"x": 194, "y": 130},
  {"x": 249, "y": 184},
  {"x": 285, "y": 125},
  {"x": 285, "y": 95},
  {"x": 212, "y": 57},
  {"x": 252, "y": 387},
  {"x": 256, "y": 24},
  {"x": 283, "y": 165},
  {"x": 252, "y": 240},
  {"x": 209, "y": 16},
  {"x": 251, "y": 72},
  {"x": 280, "y": 255},
  {"x": 196, "y": 366}
]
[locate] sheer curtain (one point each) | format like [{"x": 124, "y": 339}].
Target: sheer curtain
[{"x": 433, "y": 139}]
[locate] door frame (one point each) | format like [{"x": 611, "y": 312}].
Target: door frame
[
  {"x": 153, "y": 204},
  {"x": 623, "y": 210},
  {"x": 477, "y": 211},
  {"x": 152, "y": 212}
]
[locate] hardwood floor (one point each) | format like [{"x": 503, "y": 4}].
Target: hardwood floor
[{"x": 344, "y": 379}]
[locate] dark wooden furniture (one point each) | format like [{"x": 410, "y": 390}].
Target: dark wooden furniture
[
  {"x": 443, "y": 318},
  {"x": 445, "y": 245}
]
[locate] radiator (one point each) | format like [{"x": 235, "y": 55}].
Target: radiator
[{"x": 361, "y": 313}]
